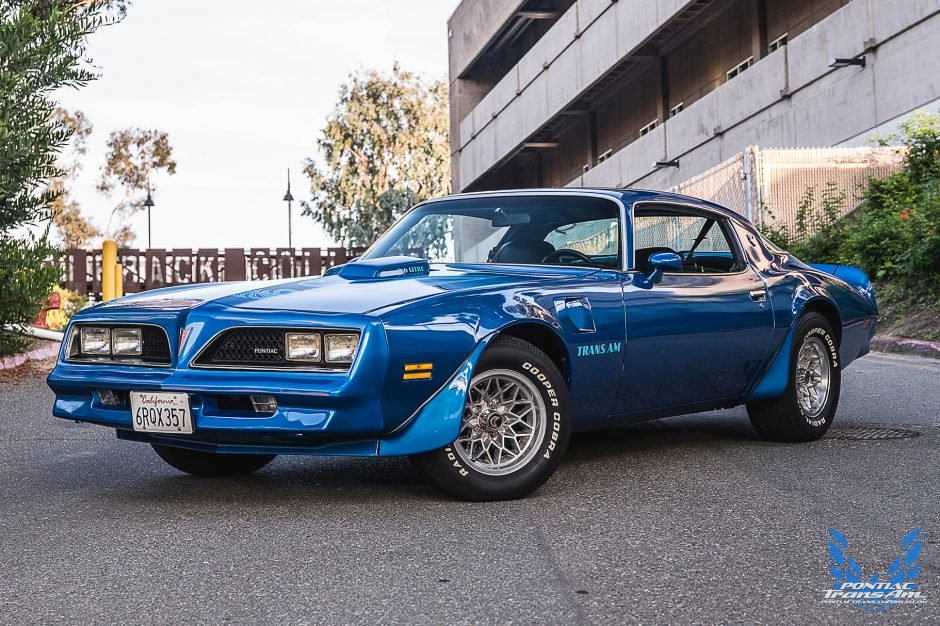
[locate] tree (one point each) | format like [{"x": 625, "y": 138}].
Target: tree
[
  {"x": 134, "y": 157},
  {"x": 384, "y": 148},
  {"x": 74, "y": 229},
  {"x": 42, "y": 48}
]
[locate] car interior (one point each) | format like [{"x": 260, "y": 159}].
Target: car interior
[
  {"x": 589, "y": 243},
  {"x": 580, "y": 234},
  {"x": 702, "y": 240},
  {"x": 526, "y": 230},
  {"x": 569, "y": 231}
]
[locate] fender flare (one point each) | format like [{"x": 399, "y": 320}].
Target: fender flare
[
  {"x": 436, "y": 423},
  {"x": 774, "y": 382}
]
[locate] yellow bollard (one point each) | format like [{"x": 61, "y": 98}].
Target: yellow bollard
[
  {"x": 108, "y": 267},
  {"x": 118, "y": 280}
]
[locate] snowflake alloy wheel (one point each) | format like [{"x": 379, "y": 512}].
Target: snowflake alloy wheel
[{"x": 504, "y": 423}]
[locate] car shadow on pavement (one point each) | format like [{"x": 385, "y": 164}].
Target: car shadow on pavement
[
  {"x": 136, "y": 475},
  {"x": 686, "y": 430}
]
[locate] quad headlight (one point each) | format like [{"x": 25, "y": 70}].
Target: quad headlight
[
  {"x": 96, "y": 341},
  {"x": 131, "y": 344},
  {"x": 341, "y": 348},
  {"x": 321, "y": 347},
  {"x": 303, "y": 347},
  {"x": 126, "y": 342}
]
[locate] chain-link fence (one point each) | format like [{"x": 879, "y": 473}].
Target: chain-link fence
[
  {"x": 785, "y": 175},
  {"x": 729, "y": 184},
  {"x": 767, "y": 185}
]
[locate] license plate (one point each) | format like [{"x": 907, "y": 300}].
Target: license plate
[{"x": 161, "y": 412}]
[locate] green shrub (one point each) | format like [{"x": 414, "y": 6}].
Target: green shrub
[
  {"x": 42, "y": 49},
  {"x": 894, "y": 235},
  {"x": 819, "y": 230}
]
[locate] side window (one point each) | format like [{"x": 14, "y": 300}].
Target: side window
[
  {"x": 701, "y": 241},
  {"x": 594, "y": 238}
]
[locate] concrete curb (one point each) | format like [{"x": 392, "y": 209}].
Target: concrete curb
[
  {"x": 36, "y": 354},
  {"x": 900, "y": 345}
]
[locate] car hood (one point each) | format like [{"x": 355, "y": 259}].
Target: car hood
[{"x": 336, "y": 294}]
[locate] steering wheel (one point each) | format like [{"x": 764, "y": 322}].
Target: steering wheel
[{"x": 554, "y": 258}]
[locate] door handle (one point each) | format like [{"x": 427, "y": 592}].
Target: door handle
[{"x": 758, "y": 295}]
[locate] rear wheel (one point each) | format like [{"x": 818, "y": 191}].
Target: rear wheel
[
  {"x": 211, "y": 464},
  {"x": 806, "y": 409},
  {"x": 515, "y": 428}
]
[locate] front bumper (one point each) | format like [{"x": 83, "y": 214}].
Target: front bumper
[
  {"x": 368, "y": 410},
  {"x": 319, "y": 413},
  {"x": 309, "y": 405}
]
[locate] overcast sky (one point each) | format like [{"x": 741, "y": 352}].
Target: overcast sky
[{"x": 243, "y": 88}]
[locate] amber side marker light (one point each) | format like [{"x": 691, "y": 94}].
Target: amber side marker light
[{"x": 418, "y": 371}]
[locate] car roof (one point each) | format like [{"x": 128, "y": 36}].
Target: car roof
[{"x": 627, "y": 196}]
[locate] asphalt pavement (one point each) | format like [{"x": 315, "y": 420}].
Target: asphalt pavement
[{"x": 687, "y": 520}]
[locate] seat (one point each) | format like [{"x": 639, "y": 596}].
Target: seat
[{"x": 523, "y": 252}]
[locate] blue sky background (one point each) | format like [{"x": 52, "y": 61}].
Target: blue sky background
[{"x": 242, "y": 88}]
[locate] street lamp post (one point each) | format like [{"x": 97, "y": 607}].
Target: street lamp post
[
  {"x": 149, "y": 204},
  {"x": 288, "y": 198}
]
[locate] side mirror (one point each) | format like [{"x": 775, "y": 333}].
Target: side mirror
[{"x": 662, "y": 261}]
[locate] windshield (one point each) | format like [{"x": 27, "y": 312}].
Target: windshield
[{"x": 532, "y": 230}]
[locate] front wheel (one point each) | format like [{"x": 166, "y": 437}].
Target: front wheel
[
  {"x": 805, "y": 410},
  {"x": 515, "y": 428},
  {"x": 211, "y": 464}
]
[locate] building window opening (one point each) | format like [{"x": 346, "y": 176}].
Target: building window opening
[
  {"x": 737, "y": 70},
  {"x": 676, "y": 110},
  {"x": 646, "y": 130},
  {"x": 777, "y": 43}
]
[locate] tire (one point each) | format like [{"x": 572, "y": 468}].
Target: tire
[
  {"x": 533, "y": 440},
  {"x": 795, "y": 416},
  {"x": 211, "y": 464}
]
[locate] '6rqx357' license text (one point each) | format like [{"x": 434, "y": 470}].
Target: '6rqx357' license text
[{"x": 161, "y": 412}]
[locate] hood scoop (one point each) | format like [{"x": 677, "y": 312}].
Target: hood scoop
[{"x": 382, "y": 269}]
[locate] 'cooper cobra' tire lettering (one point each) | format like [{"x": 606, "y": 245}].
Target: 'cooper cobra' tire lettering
[
  {"x": 806, "y": 409},
  {"x": 829, "y": 343},
  {"x": 515, "y": 427}
]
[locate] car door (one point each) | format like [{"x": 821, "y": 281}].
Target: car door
[{"x": 701, "y": 334}]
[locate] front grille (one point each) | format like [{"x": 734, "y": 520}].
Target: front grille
[
  {"x": 250, "y": 345},
  {"x": 155, "y": 347},
  {"x": 256, "y": 347}
]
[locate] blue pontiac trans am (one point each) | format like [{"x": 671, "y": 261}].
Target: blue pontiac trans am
[{"x": 474, "y": 337}]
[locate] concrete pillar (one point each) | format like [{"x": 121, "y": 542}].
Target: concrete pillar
[{"x": 761, "y": 32}]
